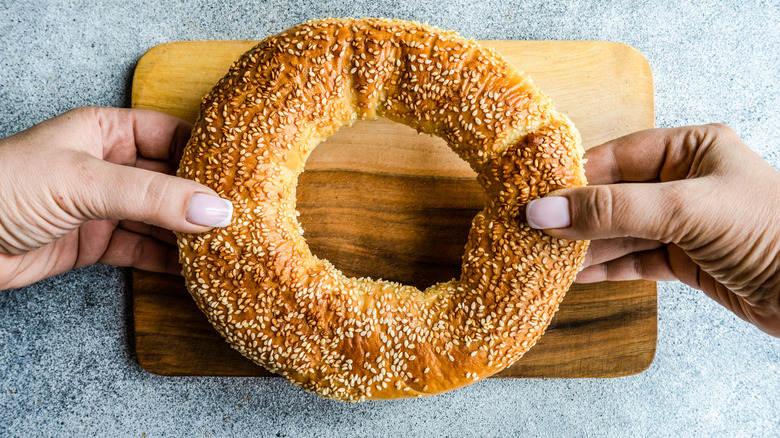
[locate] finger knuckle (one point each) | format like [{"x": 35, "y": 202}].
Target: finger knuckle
[
  {"x": 89, "y": 182},
  {"x": 696, "y": 135},
  {"x": 720, "y": 128},
  {"x": 677, "y": 198},
  {"x": 637, "y": 266},
  {"x": 83, "y": 111},
  {"x": 593, "y": 274},
  {"x": 588, "y": 261},
  {"x": 713, "y": 131},
  {"x": 155, "y": 192},
  {"x": 87, "y": 169},
  {"x": 599, "y": 209},
  {"x": 137, "y": 255}
]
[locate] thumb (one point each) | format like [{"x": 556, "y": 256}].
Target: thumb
[
  {"x": 122, "y": 192},
  {"x": 656, "y": 211}
]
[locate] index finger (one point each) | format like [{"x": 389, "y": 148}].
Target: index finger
[
  {"x": 146, "y": 133},
  {"x": 664, "y": 154}
]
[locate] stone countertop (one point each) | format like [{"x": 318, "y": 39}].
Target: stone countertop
[{"x": 67, "y": 364}]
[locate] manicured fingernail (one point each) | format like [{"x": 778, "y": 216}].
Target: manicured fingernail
[
  {"x": 549, "y": 212},
  {"x": 209, "y": 210}
]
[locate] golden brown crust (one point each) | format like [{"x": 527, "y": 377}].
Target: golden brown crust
[{"x": 356, "y": 339}]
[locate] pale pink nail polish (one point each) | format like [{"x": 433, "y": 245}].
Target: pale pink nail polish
[
  {"x": 549, "y": 212},
  {"x": 209, "y": 210}
]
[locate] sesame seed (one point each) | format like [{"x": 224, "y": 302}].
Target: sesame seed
[{"x": 358, "y": 338}]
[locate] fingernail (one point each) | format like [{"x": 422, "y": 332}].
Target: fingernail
[
  {"x": 549, "y": 212},
  {"x": 209, "y": 210}
]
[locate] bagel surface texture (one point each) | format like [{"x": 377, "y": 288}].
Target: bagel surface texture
[{"x": 350, "y": 338}]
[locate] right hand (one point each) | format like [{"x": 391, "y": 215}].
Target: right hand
[{"x": 693, "y": 204}]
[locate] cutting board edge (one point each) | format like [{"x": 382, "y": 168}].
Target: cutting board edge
[
  {"x": 148, "y": 60},
  {"x": 155, "y": 54},
  {"x": 150, "y": 366}
]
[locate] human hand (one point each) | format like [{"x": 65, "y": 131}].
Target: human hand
[
  {"x": 94, "y": 185},
  {"x": 693, "y": 204}
]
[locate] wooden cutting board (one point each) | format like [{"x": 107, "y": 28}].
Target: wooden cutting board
[{"x": 379, "y": 200}]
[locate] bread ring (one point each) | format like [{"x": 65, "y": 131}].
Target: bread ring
[{"x": 355, "y": 339}]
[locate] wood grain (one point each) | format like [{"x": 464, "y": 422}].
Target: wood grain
[{"x": 379, "y": 200}]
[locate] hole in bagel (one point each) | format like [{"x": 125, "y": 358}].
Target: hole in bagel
[{"x": 379, "y": 200}]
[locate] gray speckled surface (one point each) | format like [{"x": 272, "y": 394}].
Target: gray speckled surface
[{"x": 67, "y": 365}]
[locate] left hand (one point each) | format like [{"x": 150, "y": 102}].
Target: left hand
[{"x": 94, "y": 185}]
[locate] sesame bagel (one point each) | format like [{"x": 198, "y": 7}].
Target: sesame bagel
[{"x": 358, "y": 338}]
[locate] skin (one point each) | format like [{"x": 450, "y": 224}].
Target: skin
[
  {"x": 93, "y": 185},
  {"x": 693, "y": 204}
]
